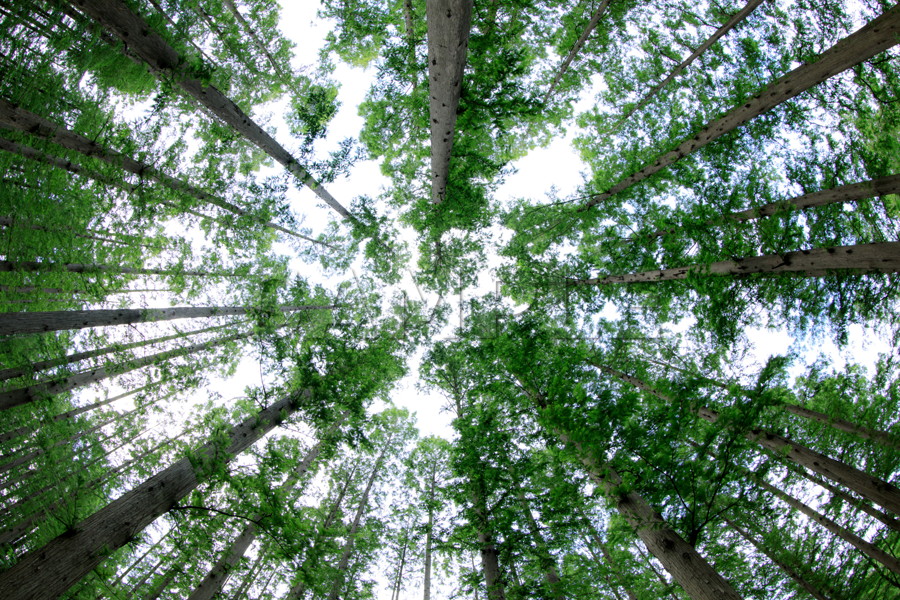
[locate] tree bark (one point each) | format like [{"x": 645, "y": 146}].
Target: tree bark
[
  {"x": 9, "y": 266},
  {"x": 548, "y": 563},
  {"x": 790, "y": 572},
  {"x": 429, "y": 536},
  {"x": 721, "y": 31},
  {"x": 870, "y": 488},
  {"x": 79, "y": 356},
  {"x": 162, "y": 59},
  {"x": 15, "y": 118},
  {"x": 47, "y": 572},
  {"x": 697, "y": 577},
  {"x": 867, "y": 548},
  {"x": 32, "y": 393},
  {"x": 882, "y": 257},
  {"x": 875, "y": 37},
  {"x": 347, "y": 551},
  {"x": 218, "y": 574},
  {"x": 579, "y": 44},
  {"x": 449, "y": 22},
  {"x": 39, "y": 322}
]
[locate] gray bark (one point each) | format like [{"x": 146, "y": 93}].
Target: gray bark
[
  {"x": 39, "y": 322},
  {"x": 721, "y": 31},
  {"x": 8, "y": 266},
  {"x": 788, "y": 570},
  {"x": 875, "y": 37},
  {"x": 18, "y": 119},
  {"x": 49, "y": 571},
  {"x": 162, "y": 59},
  {"x": 449, "y": 22},
  {"x": 863, "y": 258},
  {"x": 579, "y": 44},
  {"x": 79, "y": 356}
]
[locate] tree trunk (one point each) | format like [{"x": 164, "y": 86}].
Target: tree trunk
[
  {"x": 140, "y": 38},
  {"x": 251, "y": 33},
  {"x": 721, "y": 31},
  {"x": 220, "y": 571},
  {"x": 9, "y": 266},
  {"x": 49, "y": 571},
  {"x": 18, "y": 119},
  {"x": 548, "y": 563},
  {"x": 39, "y": 322},
  {"x": 882, "y": 257},
  {"x": 79, "y": 356},
  {"x": 125, "y": 573},
  {"x": 298, "y": 590},
  {"x": 579, "y": 44},
  {"x": 449, "y": 22},
  {"x": 870, "y": 488},
  {"x": 867, "y": 548},
  {"x": 26, "y": 395},
  {"x": 874, "y": 38},
  {"x": 157, "y": 591},
  {"x": 429, "y": 537},
  {"x": 398, "y": 581},
  {"x": 490, "y": 559},
  {"x": 698, "y": 578},
  {"x": 344, "y": 561},
  {"x": 11, "y": 223},
  {"x": 251, "y": 576},
  {"x": 25, "y": 430},
  {"x": 790, "y": 572}
]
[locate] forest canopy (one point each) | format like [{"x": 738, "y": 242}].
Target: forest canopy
[{"x": 220, "y": 338}]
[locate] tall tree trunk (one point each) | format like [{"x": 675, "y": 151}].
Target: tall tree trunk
[
  {"x": 870, "y": 488},
  {"x": 11, "y": 223},
  {"x": 248, "y": 580},
  {"x": 152, "y": 547},
  {"x": 298, "y": 590},
  {"x": 429, "y": 536},
  {"x": 721, "y": 31},
  {"x": 876, "y": 435},
  {"x": 15, "y": 118},
  {"x": 251, "y": 33},
  {"x": 9, "y": 266},
  {"x": 875, "y": 37},
  {"x": 697, "y": 577},
  {"x": 398, "y": 580},
  {"x": 26, "y": 429},
  {"x": 449, "y": 22},
  {"x": 26, "y": 395},
  {"x": 347, "y": 551},
  {"x": 79, "y": 356},
  {"x": 49, "y": 571},
  {"x": 867, "y": 548},
  {"x": 882, "y": 257},
  {"x": 218, "y": 574},
  {"x": 39, "y": 322},
  {"x": 548, "y": 563},
  {"x": 844, "y": 193},
  {"x": 788, "y": 570},
  {"x": 579, "y": 44},
  {"x": 140, "y": 38}
]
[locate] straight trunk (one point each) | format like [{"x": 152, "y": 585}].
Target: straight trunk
[
  {"x": 721, "y": 31},
  {"x": 49, "y": 571},
  {"x": 790, "y": 572},
  {"x": 882, "y": 257},
  {"x": 870, "y": 488},
  {"x": 579, "y": 44},
  {"x": 298, "y": 590},
  {"x": 218, "y": 574},
  {"x": 125, "y": 573},
  {"x": 398, "y": 581},
  {"x": 15, "y": 118},
  {"x": 79, "y": 356},
  {"x": 39, "y": 322},
  {"x": 251, "y": 576},
  {"x": 867, "y": 548},
  {"x": 548, "y": 563},
  {"x": 47, "y": 266},
  {"x": 157, "y": 591},
  {"x": 163, "y": 60},
  {"x": 250, "y": 32},
  {"x": 852, "y": 192},
  {"x": 429, "y": 537},
  {"x": 872, "y": 39},
  {"x": 448, "y": 22},
  {"x": 25, "y": 430},
  {"x": 876, "y": 435},
  {"x": 30, "y": 290},
  {"x": 26, "y": 395},
  {"x": 490, "y": 559},
  {"x": 347, "y": 551},
  {"x": 698, "y": 578},
  {"x": 10, "y": 223},
  {"x": 607, "y": 557}
]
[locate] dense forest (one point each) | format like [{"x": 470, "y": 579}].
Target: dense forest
[{"x": 615, "y": 431}]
